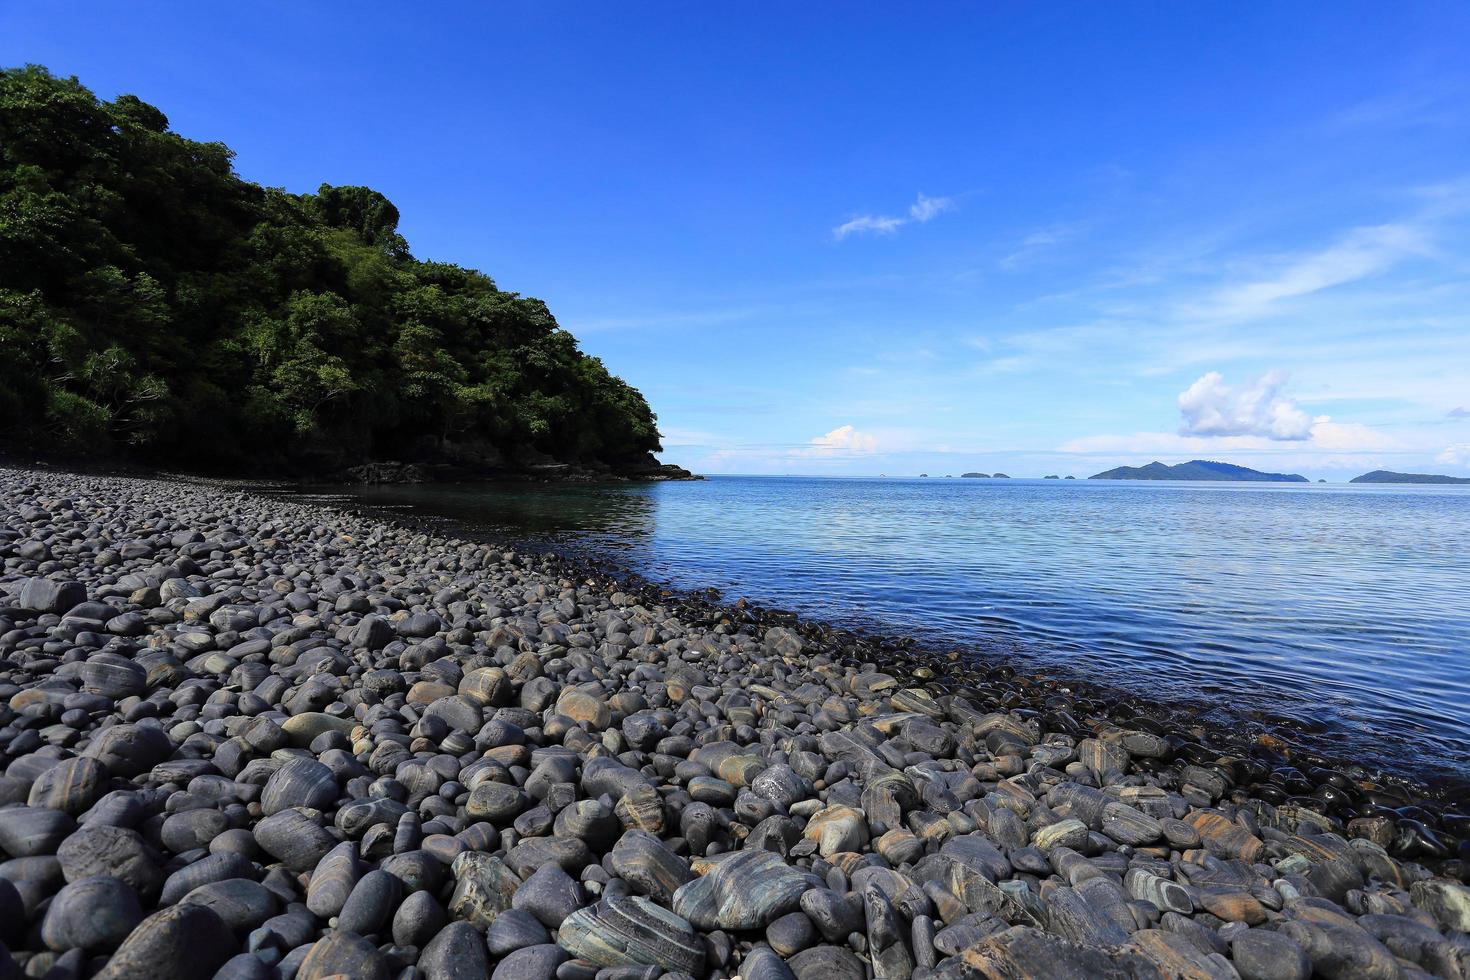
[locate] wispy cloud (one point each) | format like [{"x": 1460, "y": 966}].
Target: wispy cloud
[
  {"x": 875, "y": 224},
  {"x": 1455, "y": 455},
  {"x": 923, "y": 209},
  {"x": 1327, "y": 437},
  {"x": 1360, "y": 254},
  {"x": 1458, "y": 413},
  {"x": 1402, "y": 110},
  {"x": 1036, "y": 243}
]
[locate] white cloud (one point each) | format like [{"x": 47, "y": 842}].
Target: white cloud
[
  {"x": 1349, "y": 437},
  {"x": 1361, "y": 253},
  {"x": 871, "y": 223},
  {"x": 1256, "y": 408},
  {"x": 1035, "y": 243},
  {"x": 843, "y": 439},
  {"x": 1456, "y": 455},
  {"x": 923, "y": 209}
]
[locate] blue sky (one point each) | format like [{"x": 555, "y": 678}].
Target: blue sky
[{"x": 1038, "y": 238}]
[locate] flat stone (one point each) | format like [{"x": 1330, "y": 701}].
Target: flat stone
[
  {"x": 646, "y": 863},
  {"x": 419, "y": 919},
  {"x": 586, "y": 709},
  {"x": 117, "y": 852},
  {"x": 183, "y": 942},
  {"x": 299, "y": 783},
  {"x": 28, "y": 831},
  {"x": 295, "y": 838},
  {"x": 1259, "y": 954},
  {"x": 372, "y": 903},
  {"x": 632, "y": 931},
  {"x": 71, "y": 786},
  {"x": 456, "y": 953},
  {"x": 827, "y": 963},
  {"x": 496, "y": 802},
  {"x": 93, "y": 914},
  {"x": 332, "y": 880},
  {"x": 747, "y": 890},
  {"x": 515, "y": 929},
  {"x": 342, "y": 954},
  {"x": 303, "y": 729},
  {"x": 240, "y": 903},
  {"x": 550, "y": 894},
  {"x": 531, "y": 963}
]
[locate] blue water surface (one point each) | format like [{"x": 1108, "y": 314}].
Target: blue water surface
[{"x": 1343, "y": 611}]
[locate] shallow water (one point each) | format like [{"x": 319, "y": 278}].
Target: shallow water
[{"x": 1343, "y": 611}]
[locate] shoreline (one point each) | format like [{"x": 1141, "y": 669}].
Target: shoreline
[
  {"x": 379, "y": 711},
  {"x": 958, "y": 664},
  {"x": 371, "y": 473}
]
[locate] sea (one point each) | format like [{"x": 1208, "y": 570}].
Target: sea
[{"x": 1337, "y": 616}]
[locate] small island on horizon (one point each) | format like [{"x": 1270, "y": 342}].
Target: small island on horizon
[
  {"x": 1389, "y": 476},
  {"x": 1205, "y": 470},
  {"x": 1197, "y": 469}
]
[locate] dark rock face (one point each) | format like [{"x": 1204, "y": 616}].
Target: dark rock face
[{"x": 250, "y": 739}]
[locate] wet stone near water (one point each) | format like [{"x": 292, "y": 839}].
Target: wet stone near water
[{"x": 271, "y": 739}]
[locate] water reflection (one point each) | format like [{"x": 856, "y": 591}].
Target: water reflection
[
  {"x": 621, "y": 513},
  {"x": 1342, "y": 609}
]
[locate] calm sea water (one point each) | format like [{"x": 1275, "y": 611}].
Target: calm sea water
[{"x": 1344, "y": 611}]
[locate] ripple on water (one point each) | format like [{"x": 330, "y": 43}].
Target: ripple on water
[{"x": 1341, "y": 609}]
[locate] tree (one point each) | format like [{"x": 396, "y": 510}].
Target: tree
[{"x": 153, "y": 303}]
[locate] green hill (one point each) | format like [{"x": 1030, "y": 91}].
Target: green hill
[
  {"x": 1197, "y": 469},
  {"x": 155, "y": 306},
  {"x": 1389, "y": 476}
]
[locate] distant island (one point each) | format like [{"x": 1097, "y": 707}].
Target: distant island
[
  {"x": 1389, "y": 476},
  {"x": 974, "y": 476},
  {"x": 999, "y": 476},
  {"x": 1197, "y": 469}
]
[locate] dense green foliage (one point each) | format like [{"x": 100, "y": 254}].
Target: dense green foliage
[{"x": 154, "y": 304}]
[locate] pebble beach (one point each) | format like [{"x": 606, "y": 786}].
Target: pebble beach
[{"x": 245, "y": 737}]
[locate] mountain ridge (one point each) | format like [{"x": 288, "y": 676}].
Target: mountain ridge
[
  {"x": 1197, "y": 470},
  {"x": 1389, "y": 476}
]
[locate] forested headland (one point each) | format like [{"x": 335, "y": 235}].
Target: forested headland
[{"x": 156, "y": 307}]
